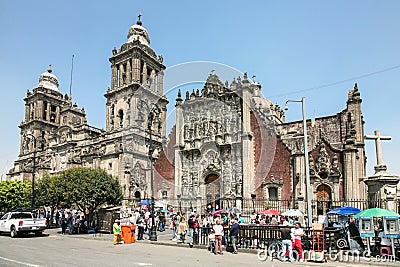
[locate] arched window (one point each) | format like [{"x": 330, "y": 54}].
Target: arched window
[{"x": 121, "y": 117}]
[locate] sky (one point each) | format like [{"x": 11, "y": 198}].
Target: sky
[{"x": 311, "y": 49}]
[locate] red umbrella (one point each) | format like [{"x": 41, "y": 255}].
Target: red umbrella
[
  {"x": 269, "y": 212},
  {"x": 216, "y": 212}
]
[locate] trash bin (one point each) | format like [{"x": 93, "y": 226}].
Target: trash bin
[{"x": 128, "y": 233}]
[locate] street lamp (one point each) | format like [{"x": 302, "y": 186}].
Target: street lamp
[
  {"x": 307, "y": 167},
  {"x": 180, "y": 204},
  {"x": 253, "y": 197},
  {"x": 29, "y": 135},
  {"x": 150, "y": 119}
]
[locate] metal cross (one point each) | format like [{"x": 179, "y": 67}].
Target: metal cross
[{"x": 377, "y": 137}]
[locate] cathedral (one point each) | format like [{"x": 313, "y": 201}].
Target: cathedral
[{"x": 228, "y": 144}]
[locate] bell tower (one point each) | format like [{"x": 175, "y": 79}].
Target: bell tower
[
  {"x": 42, "y": 113},
  {"x": 136, "y": 82},
  {"x": 136, "y": 110}
]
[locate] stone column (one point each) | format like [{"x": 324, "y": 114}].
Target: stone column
[
  {"x": 39, "y": 110},
  {"x": 48, "y": 112},
  {"x": 144, "y": 74},
  {"x": 163, "y": 122},
  {"x": 247, "y": 147},
  {"x": 121, "y": 71},
  {"x": 107, "y": 116},
  {"x": 350, "y": 173},
  {"x": 135, "y": 70},
  {"x": 153, "y": 80},
  {"x": 114, "y": 76},
  {"x": 57, "y": 114},
  {"x": 160, "y": 85},
  {"x": 31, "y": 111},
  {"x": 179, "y": 143},
  {"x": 299, "y": 169},
  {"x": 128, "y": 72},
  {"x": 27, "y": 112}
]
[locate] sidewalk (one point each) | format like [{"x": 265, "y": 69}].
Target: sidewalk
[{"x": 164, "y": 238}]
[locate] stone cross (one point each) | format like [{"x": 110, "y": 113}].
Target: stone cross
[{"x": 377, "y": 137}]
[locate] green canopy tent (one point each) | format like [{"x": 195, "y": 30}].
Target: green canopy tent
[{"x": 375, "y": 212}]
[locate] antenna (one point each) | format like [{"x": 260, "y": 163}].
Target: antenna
[{"x": 70, "y": 84}]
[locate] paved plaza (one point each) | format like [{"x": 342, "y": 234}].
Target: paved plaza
[{"x": 54, "y": 249}]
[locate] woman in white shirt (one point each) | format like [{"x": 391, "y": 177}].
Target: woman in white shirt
[{"x": 219, "y": 232}]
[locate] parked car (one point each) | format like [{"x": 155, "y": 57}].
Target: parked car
[{"x": 17, "y": 223}]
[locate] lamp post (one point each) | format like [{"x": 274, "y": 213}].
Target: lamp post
[
  {"x": 153, "y": 231},
  {"x": 180, "y": 204},
  {"x": 253, "y": 197},
  {"x": 307, "y": 167},
  {"x": 29, "y": 135}
]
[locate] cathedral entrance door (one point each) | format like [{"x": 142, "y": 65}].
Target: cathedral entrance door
[
  {"x": 213, "y": 191},
  {"x": 324, "y": 199}
]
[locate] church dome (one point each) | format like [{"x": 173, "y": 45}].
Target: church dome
[
  {"x": 48, "y": 80},
  {"x": 138, "y": 32}
]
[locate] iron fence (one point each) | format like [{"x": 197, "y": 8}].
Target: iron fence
[
  {"x": 249, "y": 205},
  {"x": 262, "y": 236}
]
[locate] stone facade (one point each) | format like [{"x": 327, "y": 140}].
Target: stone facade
[
  {"x": 65, "y": 140},
  {"x": 232, "y": 143},
  {"x": 228, "y": 142}
]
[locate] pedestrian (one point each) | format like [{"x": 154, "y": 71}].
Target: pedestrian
[
  {"x": 191, "y": 224},
  {"x": 63, "y": 224},
  {"x": 174, "y": 227},
  {"x": 219, "y": 232},
  {"x": 287, "y": 238},
  {"x": 161, "y": 222},
  {"x": 117, "y": 232},
  {"x": 234, "y": 233},
  {"x": 132, "y": 219},
  {"x": 274, "y": 221},
  {"x": 70, "y": 223},
  {"x": 182, "y": 229},
  {"x": 297, "y": 234},
  {"x": 211, "y": 239},
  {"x": 140, "y": 225}
]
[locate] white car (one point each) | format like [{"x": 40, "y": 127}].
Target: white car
[{"x": 21, "y": 222}]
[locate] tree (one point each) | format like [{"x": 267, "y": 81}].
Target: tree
[
  {"x": 15, "y": 194},
  {"x": 89, "y": 188},
  {"x": 50, "y": 193}
]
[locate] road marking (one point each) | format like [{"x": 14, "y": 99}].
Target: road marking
[
  {"x": 20, "y": 262},
  {"x": 143, "y": 264}
]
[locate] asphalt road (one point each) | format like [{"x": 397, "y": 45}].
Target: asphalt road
[{"x": 57, "y": 250}]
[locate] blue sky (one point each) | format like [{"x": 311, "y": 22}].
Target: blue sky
[{"x": 291, "y": 47}]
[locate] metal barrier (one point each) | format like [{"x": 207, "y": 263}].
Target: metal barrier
[{"x": 261, "y": 236}]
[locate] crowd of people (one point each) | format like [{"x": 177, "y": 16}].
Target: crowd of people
[{"x": 221, "y": 230}]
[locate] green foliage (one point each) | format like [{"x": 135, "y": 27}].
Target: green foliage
[
  {"x": 15, "y": 194},
  {"x": 89, "y": 188},
  {"x": 267, "y": 206},
  {"x": 49, "y": 191}
]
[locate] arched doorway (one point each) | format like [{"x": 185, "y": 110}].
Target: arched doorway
[
  {"x": 212, "y": 191},
  {"x": 324, "y": 199}
]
